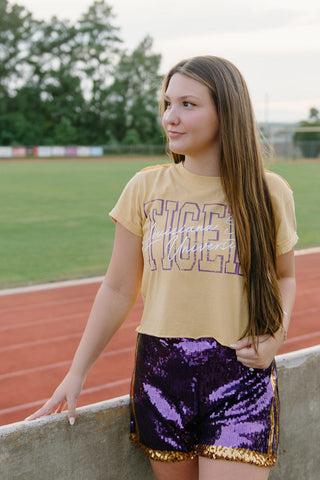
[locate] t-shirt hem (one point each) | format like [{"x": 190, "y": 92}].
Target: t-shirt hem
[
  {"x": 126, "y": 223},
  {"x": 287, "y": 246},
  {"x": 219, "y": 339}
]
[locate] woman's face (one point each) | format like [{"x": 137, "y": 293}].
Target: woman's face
[{"x": 190, "y": 118}]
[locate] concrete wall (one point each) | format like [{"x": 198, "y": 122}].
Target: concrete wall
[
  {"x": 299, "y": 387},
  {"x": 97, "y": 446}
]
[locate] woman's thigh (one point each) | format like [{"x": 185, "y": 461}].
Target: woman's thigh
[
  {"x": 229, "y": 470},
  {"x": 185, "y": 470},
  {"x": 207, "y": 469}
]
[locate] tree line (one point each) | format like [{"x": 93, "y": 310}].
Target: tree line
[
  {"x": 65, "y": 83},
  {"x": 308, "y": 136}
]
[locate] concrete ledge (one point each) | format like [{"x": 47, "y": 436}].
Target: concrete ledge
[
  {"x": 299, "y": 387},
  {"x": 97, "y": 446}
]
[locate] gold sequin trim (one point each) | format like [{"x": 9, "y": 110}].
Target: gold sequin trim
[
  {"x": 163, "y": 456},
  {"x": 237, "y": 454},
  {"x": 132, "y": 388},
  {"x": 275, "y": 406},
  {"x": 210, "y": 451}
]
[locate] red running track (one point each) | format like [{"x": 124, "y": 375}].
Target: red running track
[{"x": 40, "y": 331}]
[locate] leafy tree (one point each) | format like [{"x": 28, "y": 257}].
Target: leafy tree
[
  {"x": 72, "y": 63},
  {"x": 132, "y": 99},
  {"x": 314, "y": 114},
  {"x": 62, "y": 103},
  {"x": 13, "y": 128},
  {"x": 87, "y": 49},
  {"x": 131, "y": 138},
  {"x": 17, "y": 32},
  {"x": 309, "y": 141},
  {"x": 71, "y": 83},
  {"x": 97, "y": 47},
  {"x": 65, "y": 133},
  {"x": 23, "y": 121}
]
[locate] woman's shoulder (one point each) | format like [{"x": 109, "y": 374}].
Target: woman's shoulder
[
  {"x": 149, "y": 178},
  {"x": 151, "y": 175},
  {"x": 152, "y": 171},
  {"x": 276, "y": 183}
]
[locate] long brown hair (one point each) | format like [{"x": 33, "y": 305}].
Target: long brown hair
[{"x": 243, "y": 179}]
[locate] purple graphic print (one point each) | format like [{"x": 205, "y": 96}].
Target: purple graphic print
[{"x": 188, "y": 236}]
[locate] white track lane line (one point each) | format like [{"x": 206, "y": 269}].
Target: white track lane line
[
  {"x": 307, "y": 251},
  {"x": 49, "y": 286},
  {"x": 112, "y": 353},
  {"x": 58, "y": 339}
]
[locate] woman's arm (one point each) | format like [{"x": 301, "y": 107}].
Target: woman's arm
[
  {"x": 115, "y": 298},
  {"x": 287, "y": 285},
  {"x": 268, "y": 346}
]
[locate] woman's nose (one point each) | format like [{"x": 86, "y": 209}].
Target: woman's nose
[{"x": 171, "y": 116}]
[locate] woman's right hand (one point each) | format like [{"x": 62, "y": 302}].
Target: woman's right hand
[{"x": 66, "y": 393}]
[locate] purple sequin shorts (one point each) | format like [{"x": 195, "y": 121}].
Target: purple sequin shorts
[{"x": 191, "y": 397}]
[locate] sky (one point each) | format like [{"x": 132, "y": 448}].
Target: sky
[{"x": 274, "y": 43}]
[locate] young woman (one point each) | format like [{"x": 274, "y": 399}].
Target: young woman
[{"x": 209, "y": 241}]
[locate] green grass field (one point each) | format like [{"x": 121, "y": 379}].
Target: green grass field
[{"x": 54, "y": 215}]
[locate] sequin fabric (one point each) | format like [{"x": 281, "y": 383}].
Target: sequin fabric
[{"x": 192, "y": 397}]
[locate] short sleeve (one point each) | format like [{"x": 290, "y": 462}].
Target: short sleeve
[
  {"x": 284, "y": 209},
  {"x": 127, "y": 210}
]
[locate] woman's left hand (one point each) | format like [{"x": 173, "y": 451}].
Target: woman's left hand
[{"x": 264, "y": 353}]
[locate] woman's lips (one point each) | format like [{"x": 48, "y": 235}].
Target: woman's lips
[{"x": 174, "y": 134}]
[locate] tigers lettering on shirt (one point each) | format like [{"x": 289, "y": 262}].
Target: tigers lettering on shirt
[{"x": 188, "y": 236}]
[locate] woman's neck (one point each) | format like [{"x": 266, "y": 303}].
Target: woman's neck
[{"x": 206, "y": 167}]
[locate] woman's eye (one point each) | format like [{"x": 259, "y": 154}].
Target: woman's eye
[
  {"x": 188, "y": 104},
  {"x": 167, "y": 104}
]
